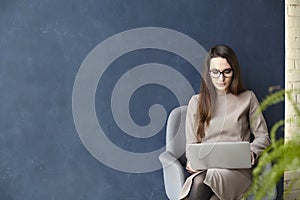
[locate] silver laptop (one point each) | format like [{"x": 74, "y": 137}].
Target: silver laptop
[{"x": 226, "y": 155}]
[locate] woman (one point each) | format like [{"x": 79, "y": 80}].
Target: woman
[{"x": 223, "y": 111}]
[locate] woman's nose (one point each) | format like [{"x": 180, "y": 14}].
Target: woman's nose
[{"x": 222, "y": 77}]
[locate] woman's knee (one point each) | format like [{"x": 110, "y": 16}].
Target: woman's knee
[{"x": 198, "y": 180}]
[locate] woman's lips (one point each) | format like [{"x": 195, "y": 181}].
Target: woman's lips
[{"x": 220, "y": 84}]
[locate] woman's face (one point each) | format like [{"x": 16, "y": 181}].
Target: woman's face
[{"x": 220, "y": 73}]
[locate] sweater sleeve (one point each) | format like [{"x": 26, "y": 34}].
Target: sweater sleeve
[
  {"x": 190, "y": 127},
  {"x": 258, "y": 127}
]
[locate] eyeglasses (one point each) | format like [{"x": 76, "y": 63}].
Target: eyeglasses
[{"x": 227, "y": 73}]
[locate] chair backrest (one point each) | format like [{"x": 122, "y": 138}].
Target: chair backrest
[{"x": 175, "y": 133}]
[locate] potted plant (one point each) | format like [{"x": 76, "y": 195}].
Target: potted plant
[{"x": 284, "y": 155}]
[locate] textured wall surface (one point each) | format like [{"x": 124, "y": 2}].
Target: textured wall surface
[
  {"x": 292, "y": 80},
  {"x": 44, "y": 43}
]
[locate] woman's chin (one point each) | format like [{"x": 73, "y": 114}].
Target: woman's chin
[{"x": 221, "y": 89}]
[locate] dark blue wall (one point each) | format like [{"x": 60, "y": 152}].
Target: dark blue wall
[{"x": 42, "y": 45}]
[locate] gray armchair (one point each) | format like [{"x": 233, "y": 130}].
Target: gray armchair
[{"x": 173, "y": 159}]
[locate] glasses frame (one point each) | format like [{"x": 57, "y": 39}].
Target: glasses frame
[{"x": 221, "y": 72}]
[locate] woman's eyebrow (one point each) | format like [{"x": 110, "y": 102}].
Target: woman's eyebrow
[{"x": 219, "y": 70}]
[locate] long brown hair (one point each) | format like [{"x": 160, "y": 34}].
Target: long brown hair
[{"x": 207, "y": 91}]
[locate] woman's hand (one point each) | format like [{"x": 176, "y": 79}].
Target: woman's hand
[
  {"x": 253, "y": 158},
  {"x": 189, "y": 168}
]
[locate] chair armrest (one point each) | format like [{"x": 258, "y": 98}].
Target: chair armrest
[
  {"x": 166, "y": 158},
  {"x": 173, "y": 173}
]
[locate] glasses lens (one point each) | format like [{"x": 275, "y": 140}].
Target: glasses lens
[
  {"x": 227, "y": 73},
  {"x": 215, "y": 73}
]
